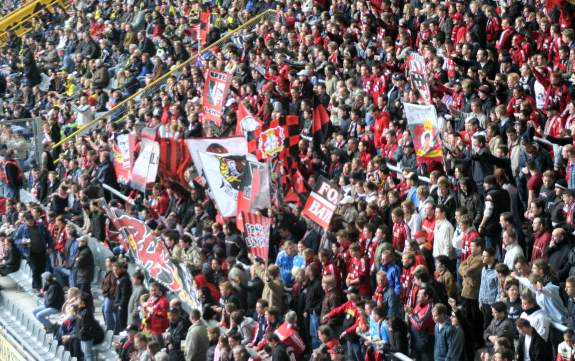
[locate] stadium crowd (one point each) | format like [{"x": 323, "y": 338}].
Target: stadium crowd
[{"x": 473, "y": 256}]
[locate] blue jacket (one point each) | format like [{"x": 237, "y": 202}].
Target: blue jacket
[
  {"x": 393, "y": 272},
  {"x": 448, "y": 343},
  {"x": 489, "y": 286},
  {"x": 24, "y": 232},
  {"x": 286, "y": 264}
]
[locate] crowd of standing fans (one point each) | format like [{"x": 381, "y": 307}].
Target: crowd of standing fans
[{"x": 472, "y": 256}]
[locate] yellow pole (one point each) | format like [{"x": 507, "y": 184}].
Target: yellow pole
[{"x": 124, "y": 102}]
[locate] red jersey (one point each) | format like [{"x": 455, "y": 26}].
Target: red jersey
[
  {"x": 466, "y": 244},
  {"x": 400, "y": 235},
  {"x": 359, "y": 270},
  {"x": 406, "y": 281},
  {"x": 421, "y": 318},
  {"x": 428, "y": 225},
  {"x": 289, "y": 336},
  {"x": 330, "y": 269},
  {"x": 540, "y": 245}
]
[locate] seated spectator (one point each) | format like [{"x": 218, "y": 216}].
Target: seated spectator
[
  {"x": 10, "y": 263},
  {"x": 53, "y": 301}
]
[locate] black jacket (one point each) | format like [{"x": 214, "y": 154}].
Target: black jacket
[
  {"x": 313, "y": 297},
  {"x": 558, "y": 256},
  {"x": 105, "y": 173},
  {"x": 177, "y": 332},
  {"x": 53, "y": 295},
  {"x": 86, "y": 324},
  {"x": 84, "y": 265},
  {"x": 538, "y": 350},
  {"x": 11, "y": 261},
  {"x": 123, "y": 291}
]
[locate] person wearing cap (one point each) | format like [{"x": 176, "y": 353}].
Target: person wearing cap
[
  {"x": 126, "y": 346},
  {"x": 554, "y": 123},
  {"x": 348, "y": 211},
  {"x": 353, "y": 323}
]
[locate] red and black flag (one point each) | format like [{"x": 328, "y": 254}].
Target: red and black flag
[
  {"x": 204, "y": 27},
  {"x": 254, "y": 192},
  {"x": 293, "y": 134},
  {"x": 248, "y": 127},
  {"x": 174, "y": 159},
  {"x": 257, "y": 234},
  {"x": 320, "y": 125}
]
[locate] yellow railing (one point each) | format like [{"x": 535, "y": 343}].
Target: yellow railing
[
  {"x": 22, "y": 20},
  {"x": 121, "y": 109}
]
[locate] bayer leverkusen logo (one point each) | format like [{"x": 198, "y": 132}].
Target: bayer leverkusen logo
[{"x": 271, "y": 142}]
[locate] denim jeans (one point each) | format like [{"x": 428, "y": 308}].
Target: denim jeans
[
  {"x": 41, "y": 313},
  {"x": 88, "y": 349},
  {"x": 109, "y": 312},
  {"x": 313, "y": 326},
  {"x": 65, "y": 276},
  {"x": 353, "y": 351}
]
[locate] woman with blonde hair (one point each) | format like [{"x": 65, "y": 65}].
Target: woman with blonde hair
[{"x": 411, "y": 216}]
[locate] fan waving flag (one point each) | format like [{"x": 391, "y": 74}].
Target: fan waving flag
[
  {"x": 257, "y": 234},
  {"x": 320, "y": 126},
  {"x": 422, "y": 123}
]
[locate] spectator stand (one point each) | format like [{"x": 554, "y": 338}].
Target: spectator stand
[
  {"x": 26, "y": 18},
  {"x": 120, "y": 111}
]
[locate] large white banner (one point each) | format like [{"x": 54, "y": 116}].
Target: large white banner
[
  {"x": 418, "y": 76},
  {"x": 146, "y": 166},
  {"x": 232, "y": 145},
  {"x": 224, "y": 173}
]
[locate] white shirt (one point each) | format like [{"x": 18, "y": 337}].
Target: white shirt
[
  {"x": 539, "y": 321},
  {"x": 512, "y": 252},
  {"x": 526, "y": 347},
  {"x": 442, "y": 237}
]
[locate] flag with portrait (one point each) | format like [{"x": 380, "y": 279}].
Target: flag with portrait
[{"x": 422, "y": 123}]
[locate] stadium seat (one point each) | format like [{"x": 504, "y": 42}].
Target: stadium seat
[
  {"x": 59, "y": 355},
  {"x": 66, "y": 356}
]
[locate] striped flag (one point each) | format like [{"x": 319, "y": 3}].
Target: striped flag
[
  {"x": 320, "y": 125},
  {"x": 257, "y": 234},
  {"x": 174, "y": 159}
]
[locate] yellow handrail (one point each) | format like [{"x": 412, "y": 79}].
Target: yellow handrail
[
  {"x": 18, "y": 18},
  {"x": 192, "y": 58}
]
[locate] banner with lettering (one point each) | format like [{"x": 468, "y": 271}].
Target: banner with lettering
[
  {"x": 257, "y": 234},
  {"x": 254, "y": 193},
  {"x": 422, "y": 123},
  {"x": 321, "y": 203},
  {"x": 214, "y": 97},
  {"x": 418, "y": 76},
  {"x": 151, "y": 254}
]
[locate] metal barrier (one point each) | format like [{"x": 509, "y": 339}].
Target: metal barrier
[
  {"x": 121, "y": 109},
  {"x": 23, "y": 20}
]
